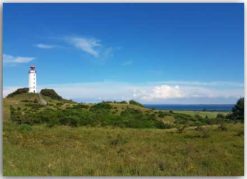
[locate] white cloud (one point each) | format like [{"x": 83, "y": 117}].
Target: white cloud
[
  {"x": 199, "y": 83},
  {"x": 88, "y": 45},
  {"x": 16, "y": 59},
  {"x": 145, "y": 92},
  {"x": 171, "y": 92},
  {"x": 163, "y": 92},
  {"x": 45, "y": 46}
]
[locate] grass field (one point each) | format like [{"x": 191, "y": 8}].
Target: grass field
[
  {"x": 63, "y": 151},
  {"x": 209, "y": 114},
  {"x": 40, "y": 149}
]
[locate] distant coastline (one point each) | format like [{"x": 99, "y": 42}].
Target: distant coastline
[{"x": 191, "y": 107}]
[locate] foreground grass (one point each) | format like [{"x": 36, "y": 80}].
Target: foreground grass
[{"x": 63, "y": 150}]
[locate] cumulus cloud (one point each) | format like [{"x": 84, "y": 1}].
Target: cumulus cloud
[
  {"x": 88, "y": 45},
  {"x": 171, "y": 92},
  {"x": 45, "y": 46},
  {"x": 162, "y": 92},
  {"x": 16, "y": 59}
]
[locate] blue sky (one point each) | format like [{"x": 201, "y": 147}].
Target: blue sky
[{"x": 154, "y": 53}]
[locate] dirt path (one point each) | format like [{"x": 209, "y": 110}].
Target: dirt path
[{"x": 42, "y": 100}]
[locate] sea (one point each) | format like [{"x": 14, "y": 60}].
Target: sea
[{"x": 191, "y": 107}]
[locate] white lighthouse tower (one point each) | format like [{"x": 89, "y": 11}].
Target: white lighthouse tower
[{"x": 32, "y": 79}]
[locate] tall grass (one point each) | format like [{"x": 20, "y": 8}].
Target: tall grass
[{"x": 64, "y": 151}]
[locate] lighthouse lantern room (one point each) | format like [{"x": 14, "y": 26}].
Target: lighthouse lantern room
[{"x": 32, "y": 79}]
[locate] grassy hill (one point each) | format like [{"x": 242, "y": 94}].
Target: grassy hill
[
  {"x": 31, "y": 109},
  {"x": 26, "y": 99},
  {"x": 61, "y": 137}
]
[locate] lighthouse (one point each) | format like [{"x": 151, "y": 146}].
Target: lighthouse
[{"x": 32, "y": 79}]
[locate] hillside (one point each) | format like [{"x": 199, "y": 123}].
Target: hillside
[
  {"x": 51, "y": 109},
  {"x": 28, "y": 100}
]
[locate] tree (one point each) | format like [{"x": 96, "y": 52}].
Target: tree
[{"x": 238, "y": 110}]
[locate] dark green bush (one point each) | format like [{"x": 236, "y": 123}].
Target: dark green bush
[
  {"x": 50, "y": 93},
  {"x": 135, "y": 103},
  {"x": 220, "y": 116},
  {"x": 101, "y": 107},
  {"x": 161, "y": 114},
  {"x": 25, "y": 128},
  {"x": 101, "y": 114},
  {"x": 18, "y": 91},
  {"x": 237, "y": 113}
]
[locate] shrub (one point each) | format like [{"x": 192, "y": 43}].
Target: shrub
[
  {"x": 50, "y": 93},
  {"x": 25, "y": 128},
  {"x": 183, "y": 118},
  {"x": 80, "y": 106},
  {"x": 220, "y": 116},
  {"x": 101, "y": 107},
  {"x": 161, "y": 114},
  {"x": 222, "y": 127},
  {"x": 135, "y": 103},
  {"x": 18, "y": 91},
  {"x": 198, "y": 117},
  {"x": 180, "y": 129},
  {"x": 52, "y": 123},
  {"x": 59, "y": 104},
  {"x": 15, "y": 115},
  {"x": 34, "y": 106},
  {"x": 238, "y": 111}
]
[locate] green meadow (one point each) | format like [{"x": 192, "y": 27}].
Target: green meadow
[
  {"x": 64, "y": 151},
  {"x": 116, "y": 139}
]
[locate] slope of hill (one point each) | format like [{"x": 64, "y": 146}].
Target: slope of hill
[{"x": 51, "y": 109}]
